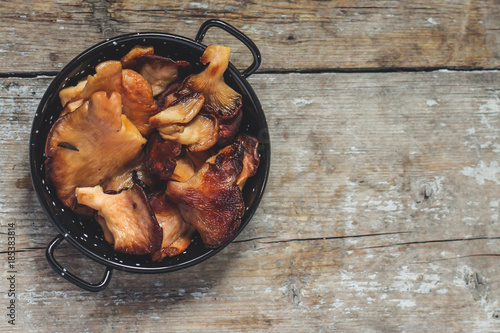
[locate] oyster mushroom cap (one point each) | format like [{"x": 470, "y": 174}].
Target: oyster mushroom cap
[
  {"x": 177, "y": 246},
  {"x": 108, "y": 235},
  {"x": 138, "y": 102},
  {"x": 90, "y": 145},
  {"x": 129, "y": 59},
  {"x": 128, "y": 217},
  {"x": 242, "y": 156},
  {"x": 199, "y": 134},
  {"x": 159, "y": 71},
  {"x": 228, "y": 128},
  {"x": 71, "y": 106},
  {"x": 169, "y": 95},
  {"x": 188, "y": 163},
  {"x": 176, "y": 232},
  {"x": 199, "y": 158},
  {"x": 211, "y": 201},
  {"x": 108, "y": 78},
  {"x": 230, "y": 157},
  {"x": 251, "y": 158},
  {"x": 133, "y": 173},
  {"x": 183, "y": 110},
  {"x": 220, "y": 98},
  {"x": 161, "y": 156},
  {"x": 137, "y": 97},
  {"x": 184, "y": 169},
  {"x": 73, "y": 93}
]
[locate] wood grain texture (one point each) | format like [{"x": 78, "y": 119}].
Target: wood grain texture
[
  {"x": 381, "y": 214},
  {"x": 41, "y": 37}
]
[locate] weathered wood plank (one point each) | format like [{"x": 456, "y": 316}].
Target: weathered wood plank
[
  {"x": 292, "y": 35},
  {"x": 382, "y": 213}
]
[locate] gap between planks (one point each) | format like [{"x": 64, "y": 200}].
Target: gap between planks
[{"x": 368, "y": 70}]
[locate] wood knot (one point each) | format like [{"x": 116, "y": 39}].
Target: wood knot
[
  {"x": 496, "y": 314},
  {"x": 426, "y": 191},
  {"x": 53, "y": 56},
  {"x": 293, "y": 293},
  {"x": 24, "y": 183},
  {"x": 476, "y": 284}
]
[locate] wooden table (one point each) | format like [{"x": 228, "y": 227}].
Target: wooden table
[{"x": 382, "y": 212}]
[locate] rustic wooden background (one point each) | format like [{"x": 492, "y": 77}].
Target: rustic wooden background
[{"x": 382, "y": 209}]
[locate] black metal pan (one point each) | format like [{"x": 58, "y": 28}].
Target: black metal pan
[{"x": 86, "y": 235}]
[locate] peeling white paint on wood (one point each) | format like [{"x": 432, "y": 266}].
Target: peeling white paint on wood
[{"x": 483, "y": 172}]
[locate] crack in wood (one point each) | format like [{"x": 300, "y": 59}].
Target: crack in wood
[
  {"x": 371, "y": 70},
  {"x": 374, "y": 70},
  {"x": 336, "y": 237},
  {"x": 27, "y": 75},
  {"x": 457, "y": 258},
  {"x": 251, "y": 239},
  {"x": 428, "y": 242},
  {"x": 24, "y": 250}
]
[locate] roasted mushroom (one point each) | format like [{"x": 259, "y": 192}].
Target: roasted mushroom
[
  {"x": 198, "y": 135},
  {"x": 176, "y": 123},
  {"x": 134, "y": 173},
  {"x": 108, "y": 235},
  {"x": 184, "y": 169},
  {"x": 73, "y": 93},
  {"x": 210, "y": 200},
  {"x": 137, "y": 97},
  {"x": 220, "y": 99},
  {"x": 71, "y": 106},
  {"x": 138, "y": 102},
  {"x": 182, "y": 111},
  {"x": 230, "y": 157},
  {"x": 188, "y": 163},
  {"x": 251, "y": 158},
  {"x": 199, "y": 157},
  {"x": 108, "y": 78},
  {"x": 161, "y": 156},
  {"x": 169, "y": 95},
  {"x": 128, "y": 217},
  {"x": 128, "y": 60},
  {"x": 179, "y": 245},
  {"x": 90, "y": 145},
  {"x": 176, "y": 232},
  {"x": 159, "y": 71},
  {"x": 228, "y": 128}
]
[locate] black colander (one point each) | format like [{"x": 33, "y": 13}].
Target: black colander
[{"x": 85, "y": 234}]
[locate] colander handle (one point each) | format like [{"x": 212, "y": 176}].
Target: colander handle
[
  {"x": 49, "y": 253},
  {"x": 239, "y": 35}
]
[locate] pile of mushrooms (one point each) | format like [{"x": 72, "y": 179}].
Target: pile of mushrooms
[{"x": 153, "y": 152}]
